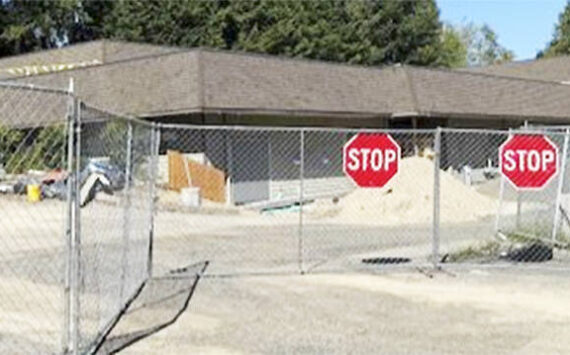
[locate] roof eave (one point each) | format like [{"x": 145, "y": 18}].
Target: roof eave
[
  {"x": 242, "y": 111},
  {"x": 479, "y": 116}
]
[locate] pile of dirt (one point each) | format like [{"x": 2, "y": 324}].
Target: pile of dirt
[{"x": 408, "y": 198}]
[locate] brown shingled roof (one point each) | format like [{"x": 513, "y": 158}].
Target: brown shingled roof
[
  {"x": 267, "y": 84},
  {"x": 154, "y": 85},
  {"x": 549, "y": 69},
  {"x": 456, "y": 94},
  {"x": 202, "y": 80},
  {"x": 83, "y": 54}
]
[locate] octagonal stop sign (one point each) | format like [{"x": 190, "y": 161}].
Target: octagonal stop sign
[
  {"x": 528, "y": 161},
  {"x": 371, "y": 159}
]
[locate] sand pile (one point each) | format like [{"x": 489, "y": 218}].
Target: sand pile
[{"x": 408, "y": 198}]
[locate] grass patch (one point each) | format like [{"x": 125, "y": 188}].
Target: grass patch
[
  {"x": 486, "y": 250},
  {"x": 490, "y": 250},
  {"x": 521, "y": 237},
  {"x": 562, "y": 239}
]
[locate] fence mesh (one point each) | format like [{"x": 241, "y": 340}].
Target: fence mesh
[
  {"x": 97, "y": 210},
  {"x": 33, "y": 166},
  {"x": 116, "y": 205},
  {"x": 344, "y": 225},
  {"x": 290, "y": 206},
  {"x": 496, "y": 222},
  {"x": 228, "y": 215}
]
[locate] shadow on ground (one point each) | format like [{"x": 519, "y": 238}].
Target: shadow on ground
[{"x": 159, "y": 304}]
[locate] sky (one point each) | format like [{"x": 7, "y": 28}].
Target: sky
[{"x": 523, "y": 26}]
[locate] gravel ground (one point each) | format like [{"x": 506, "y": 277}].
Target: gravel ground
[{"x": 481, "y": 311}]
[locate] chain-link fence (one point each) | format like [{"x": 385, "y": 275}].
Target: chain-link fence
[
  {"x": 116, "y": 199},
  {"x": 33, "y": 166},
  {"x": 106, "y": 217},
  {"x": 283, "y": 202},
  {"x": 496, "y": 223},
  {"x": 227, "y": 214},
  {"x": 76, "y": 192}
]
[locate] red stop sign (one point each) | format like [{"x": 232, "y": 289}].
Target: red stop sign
[
  {"x": 528, "y": 161},
  {"x": 371, "y": 159}
]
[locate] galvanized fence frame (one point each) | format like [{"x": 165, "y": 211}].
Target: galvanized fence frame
[
  {"x": 36, "y": 120},
  {"x": 74, "y": 234},
  {"x": 133, "y": 143},
  {"x": 72, "y": 341},
  {"x": 436, "y": 253}
]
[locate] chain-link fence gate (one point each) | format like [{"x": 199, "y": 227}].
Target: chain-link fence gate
[
  {"x": 98, "y": 209},
  {"x": 116, "y": 200},
  {"x": 76, "y": 191}
]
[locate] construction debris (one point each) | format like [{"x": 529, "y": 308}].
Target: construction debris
[{"x": 93, "y": 184}]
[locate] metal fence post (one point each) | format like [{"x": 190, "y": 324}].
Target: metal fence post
[
  {"x": 501, "y": 197},
  {"x": 436, "y": 196},
  {"x": 68, "y": 344},
  {"x": 126, "y": 212},
  {"x": 73, "y": 229},
  {"x": 72, "y": 237},
  {"x": 76, "y": 244},
  {"x": 556, "y": 222},
  {"x": 153, "y": 167},
  {"x": 301, "y": 202}
]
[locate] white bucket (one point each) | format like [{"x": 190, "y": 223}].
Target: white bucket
[{"x": 190, "y": 197}]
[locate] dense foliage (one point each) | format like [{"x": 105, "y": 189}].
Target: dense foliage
[
  {"x": 560, "y": 44},
  {"x": 355, "y": 31}
]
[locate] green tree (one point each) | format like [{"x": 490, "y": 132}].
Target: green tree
[
  {"x": 482, "y": 45},
  {"x": 453, "y": 49},
  {"x": 9, "y": 140},
  {"x": 560, "y": 44},
  {"x": 364, "y": 32},
  {"x": 89, "y": 21},
  {"x": 27, "y": 25},
  {"x": 36, "y": 25},
  {"x": 487, "y": 49},
  {"x": 355, "y": 31},
  {"x": 42, "y": 148},
  {"x": 186, "y": 23}
]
